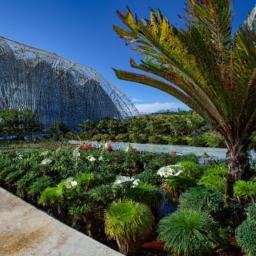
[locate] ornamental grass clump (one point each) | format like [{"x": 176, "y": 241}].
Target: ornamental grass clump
[
  {"x": 188, "y": 232},
  {"x": 201, "y": 199},
  {"x": 246, "y": 232},
  {"x": 129, "y": 223}
]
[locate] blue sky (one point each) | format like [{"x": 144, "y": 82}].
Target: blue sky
[{"x": 81, "y": 30}]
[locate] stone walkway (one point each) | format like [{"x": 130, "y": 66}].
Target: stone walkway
[{"x": 27, "y": 231}]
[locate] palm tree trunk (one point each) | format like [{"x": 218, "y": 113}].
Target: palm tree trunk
[{"x": 238, "y": 163}]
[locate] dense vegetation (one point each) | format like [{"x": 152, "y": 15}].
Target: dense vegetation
[
  {"x": 18, "y": 123},
  {"x": 178, "y": 128},
  {"x": 122, "y": 197}
]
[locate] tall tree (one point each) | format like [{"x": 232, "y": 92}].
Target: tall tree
[{"x": 202, "y": 65}]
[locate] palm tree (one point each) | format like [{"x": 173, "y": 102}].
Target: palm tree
[{"x": 203, "y": 65}]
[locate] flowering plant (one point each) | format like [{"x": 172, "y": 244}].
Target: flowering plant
[
  {"x": 173, "y": 152},
  {"x": 170, "y": 170},
  {"x": 124, "y": 179},
  {"x": 46, "y": 161},
  {"x": 70, "y": 183},
  {"x": 86, "y": 147},
  {"x": 91, "y": 158}
]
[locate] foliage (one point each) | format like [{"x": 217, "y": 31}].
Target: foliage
[
  {"x": 201, "y": 199},
  {"x": 214, "y": 182},
  {"x": 245, "y": 190},
  {"x": 188, "y": 232},
  {"x": 126, "y": 222},
  {"x": 146, "y": 193},
  {"x": 175, "y": 185},
  {"x": 246, "y": 232},
  {"x": 18, "y": 122},
  {"x": 190, "y": 168}
]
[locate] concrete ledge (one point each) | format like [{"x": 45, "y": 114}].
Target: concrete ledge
[{"x": 27, "y": 231}]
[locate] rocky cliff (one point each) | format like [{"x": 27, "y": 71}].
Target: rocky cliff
[{"x": 55, "y": 88}]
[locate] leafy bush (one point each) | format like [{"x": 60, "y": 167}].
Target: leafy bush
[
  {"x": 191, "y": 168},
  {"x": 213, "y": 140},
  {"x": 52, "y": 196},
  {"x": 246, "y": 232},
  {"x": 128, "y": 222},
  {"x": 149, "y": 176},
  {"x": 201, "y": 199},
  {"x": 147, "y": 194},
  {"x": 214, "y": 182},
  {"x": 219, "y": 170},
  {"x": 175, "y": 185},
  {"x": 245, "y": 190},
  {"x": 188, "y": 232}
]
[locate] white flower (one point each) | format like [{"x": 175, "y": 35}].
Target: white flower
[
  {"x": 101, "y": 158},
  {"x": 170, "y": 170},
  {"x": 76, "y": 153},
  {"x": 123, "y": 179},
  {"x": 20, "y": 156},
  {"x": 70, "y": 183},
  {"x": 91, "y": 158},
  {"x": 46, "y": 161},
  {"x": 135, "y": 183},
  {"x": 45, "y": 153}
]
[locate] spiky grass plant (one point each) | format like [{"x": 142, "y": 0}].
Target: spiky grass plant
[
  {"x": 128, "y": 223},
  {"x": 246, "y": 232},
  {"x": 203, "y": 65},
  {"x": 188, "y": 232}
]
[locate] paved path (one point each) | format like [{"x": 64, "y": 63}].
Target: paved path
[{"x": 27, "y": 231}]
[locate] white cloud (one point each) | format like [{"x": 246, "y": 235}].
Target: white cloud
[
  {"x": 147, "y": 108},
  {"x": 136, "y": 100}
]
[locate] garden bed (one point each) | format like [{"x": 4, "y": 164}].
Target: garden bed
[{"x": 104, "y": 193}]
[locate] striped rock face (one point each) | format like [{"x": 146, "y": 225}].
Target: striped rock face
[{"x": 55, "y": 88}]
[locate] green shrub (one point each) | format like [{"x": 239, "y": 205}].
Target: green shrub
[
  {"x": 188, "y": 232},
  {"x": 251, "y": 212},
  {"x": 147, "y": 194},
  {"x": 245, "y": 190},
  {"x": 149, "y": 176},
  {"x": 190, "y": 168},
  {"x": 214, "y": 182},
  {"x": 39, "y": 185},
  {"x": 201, "y": 199},
  {"x": 175, "y": 185},
  {"x": 52, "y": 196},
  {"x": 219, "y": 170},
  {"x": 246, "y": 232},
  {"x": 128, "y": 223},
  {"x": 213, "y": 140}
]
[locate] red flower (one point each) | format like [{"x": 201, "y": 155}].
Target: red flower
[
  {"x": 86, "y": 147},
  {"x": 134, "y": 150},
  {"x": 109, "y": 148},
  {"x": 173, "y": 152}
]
